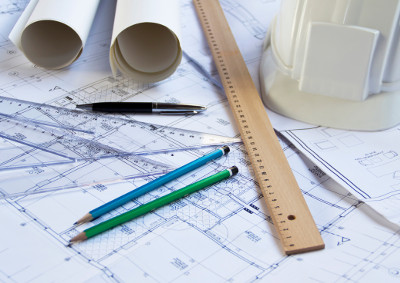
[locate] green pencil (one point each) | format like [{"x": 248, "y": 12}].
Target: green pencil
[{"x": 153, "y": 205}]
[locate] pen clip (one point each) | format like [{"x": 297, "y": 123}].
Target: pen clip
[{"x": 183, "y": 112}]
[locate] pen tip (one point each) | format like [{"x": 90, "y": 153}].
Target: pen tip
[{"x": 84, "y": 106}]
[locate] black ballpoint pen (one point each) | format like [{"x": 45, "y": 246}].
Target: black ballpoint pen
[{"x": 143, "y": 107}]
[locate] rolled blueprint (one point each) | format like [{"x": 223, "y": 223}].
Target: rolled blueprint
[
  {"x": 145, "y": 44},
  {"x": 52, "y": 33}
]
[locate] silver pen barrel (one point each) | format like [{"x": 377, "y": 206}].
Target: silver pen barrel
[{"x": 170, "y": 108}]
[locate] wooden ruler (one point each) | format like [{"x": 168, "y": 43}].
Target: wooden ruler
[{"x": 289, "y": 211}]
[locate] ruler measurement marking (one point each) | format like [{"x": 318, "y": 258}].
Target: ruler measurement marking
[{"x": 288, "y": 209}]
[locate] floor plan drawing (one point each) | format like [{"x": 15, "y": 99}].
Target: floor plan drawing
[
  {"x": 375, "y": 181},
  {"x": 220, "y": 234},
  {"x": 226, "y": 223},
  {"x": 50, "y": 139}
]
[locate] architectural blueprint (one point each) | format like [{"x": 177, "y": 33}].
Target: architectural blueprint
[
  {"x": 221, "y": 234},
  {"x": 368, "y": 163},
  {"x": 108, "y": 150}
]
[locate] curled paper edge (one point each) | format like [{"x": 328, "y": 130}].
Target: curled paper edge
[
  {"x": 118, "y": 63},
  {"x": 57, "y": 13},
  {"x": 135, "y": 13}
]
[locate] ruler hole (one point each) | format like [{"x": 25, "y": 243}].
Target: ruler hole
[{"x": 291, "y": 217}]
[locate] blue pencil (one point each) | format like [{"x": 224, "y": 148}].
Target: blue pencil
[{"x": 115, "y": 203}]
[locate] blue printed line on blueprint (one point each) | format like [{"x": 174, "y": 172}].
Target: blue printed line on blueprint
[{"x": 328, "y": 166}]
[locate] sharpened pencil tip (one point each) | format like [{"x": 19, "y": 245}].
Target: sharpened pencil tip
[
  {"x": 78, "y": 238},
  {"x": 86, "y": 218}
]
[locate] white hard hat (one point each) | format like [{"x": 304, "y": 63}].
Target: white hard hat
[{"x": 334, "y": 63}]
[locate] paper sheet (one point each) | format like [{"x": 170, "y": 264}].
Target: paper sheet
[
  {"x": 52, "y": 33},
  {"x": 145, "y": 42},
  {"x": 223, "y": 234},
  {"x": 367, "y": 164}
]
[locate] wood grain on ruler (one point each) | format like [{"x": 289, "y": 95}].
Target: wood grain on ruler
[{"x": 289, "y": 211}]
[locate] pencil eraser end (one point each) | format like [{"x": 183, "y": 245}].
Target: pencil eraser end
[
  {"x": 226, "y": 149},
  {"x": 234, "y": 170}
]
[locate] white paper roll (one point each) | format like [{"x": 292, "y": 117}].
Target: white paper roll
[
  {"x": 145, "y": 43},
  {"x": 51, "y": 33}
]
